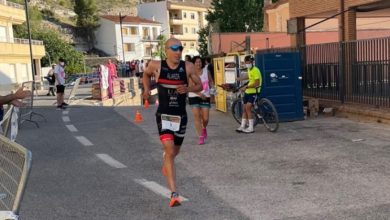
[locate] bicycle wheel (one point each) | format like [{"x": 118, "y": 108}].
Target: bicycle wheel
[
  {"x": 237, "y": 112},
  {"x": 269, "y": 115}
]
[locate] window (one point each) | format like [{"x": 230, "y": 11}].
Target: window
[
  {"x": 155, "y": 34},
  {"x": 130, "y": 47},
  {"x": 125, "y": 31},
  {"x": 194, "y": 30},
  {"x": 192, "y": 44},
  {"x": 192, "y": 16},
  {"x": 185, "y": 30},
  {"x": 133, "y": 31},
  {"x": 145, "y": 33},
  {"x": 184, "y": 44},
  {"x": 3, "y": 34},
  {"x": 185, "y": 15}
]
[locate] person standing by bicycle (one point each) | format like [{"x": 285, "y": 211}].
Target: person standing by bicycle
[
  {"x": 250, "y": 96},
  {"x": 172, "y": 76}
]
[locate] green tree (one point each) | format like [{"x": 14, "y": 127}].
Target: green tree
[
  {"x": 55, "y": 48},
  {"x": 203, "y": 43},
  {"x": 160, "y": 47},
  {"x": 87, "y": 20},
  {"x": 236, "y": 16}
]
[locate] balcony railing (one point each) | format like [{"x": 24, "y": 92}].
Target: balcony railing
[
  {"x": 11, "y": 4},
  {"x": 25, "y": 41}
]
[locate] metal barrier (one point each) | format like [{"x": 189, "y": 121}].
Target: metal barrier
[
  {"x": 72, "y": 94},
  {"x": 26, "y": 112},
  {"x": 9, "y": 125},
  {"x": 15, "y": 161}
]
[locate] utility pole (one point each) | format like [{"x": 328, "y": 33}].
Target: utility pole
[
  {"x": 342, "y": 22},
  {"x": 29, "y": 42},
  {"x": 120, "y": 24}
]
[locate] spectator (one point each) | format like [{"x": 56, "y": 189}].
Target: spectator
[
  {"x": 210, "y": 66},
  {"x": 187, "y": 58},
  {"x": 141, "y": 68},
  {"x": 51, "y": 79},
  {"x": 59, "y": 72},
  {"x": 132, "y": 67},
  {"x": 112, "y": 75}
]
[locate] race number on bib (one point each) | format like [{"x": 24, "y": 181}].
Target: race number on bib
[{"x": 170, "y": 122}]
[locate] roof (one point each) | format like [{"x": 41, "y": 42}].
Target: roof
[
  {"x": 129, "y": 19},
  {"x": 192, "y": 3},
  {"x": 275, "y": 5}
]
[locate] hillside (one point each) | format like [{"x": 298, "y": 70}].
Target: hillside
[{"x": 61, "y": 11}]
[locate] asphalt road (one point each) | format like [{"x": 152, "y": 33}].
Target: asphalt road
[{"x": 94, "y": 162}]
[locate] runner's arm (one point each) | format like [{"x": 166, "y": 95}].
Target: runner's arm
[
  {"x": 148, "y": 73},
  {"x": 197, "y": 84},
  {"x": 19, "y": 94}
]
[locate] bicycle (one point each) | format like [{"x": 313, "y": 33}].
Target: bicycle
[{"x": 263, "y": 110}]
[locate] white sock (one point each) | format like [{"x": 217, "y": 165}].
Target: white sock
[
  {"x": 243, "y": 122},
  {"x": 251, "y": 123}
]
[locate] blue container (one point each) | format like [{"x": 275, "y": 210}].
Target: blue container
[{"x": 282, "y": 83}]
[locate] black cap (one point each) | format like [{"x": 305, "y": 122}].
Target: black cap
[{"x": 249, "y": 58}]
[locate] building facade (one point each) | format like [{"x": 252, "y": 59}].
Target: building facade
[
  {"x": 276, "y": 16},
  {"x": 15, "y": 61},
  {"x": 352, "y": 11},
  {"x": 134, "y": 38},
  {"x": 181, "y": 19}
]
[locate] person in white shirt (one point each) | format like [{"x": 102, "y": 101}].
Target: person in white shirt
[
  {"x": 200, "y": 101},
  {"x": 59, "y": 72}
]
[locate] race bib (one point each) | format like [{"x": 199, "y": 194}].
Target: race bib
[{"x": 170, "y": 122}]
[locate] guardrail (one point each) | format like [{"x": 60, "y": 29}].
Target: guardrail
[
  {"x": 26, "y": 41},
  {"x": 12, "y": 4},
  {"x": 15, "y": 168}
]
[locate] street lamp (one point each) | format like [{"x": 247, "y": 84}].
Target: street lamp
[{"x": 120, "y": 24}]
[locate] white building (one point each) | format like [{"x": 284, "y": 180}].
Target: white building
[
  {"x": 139, "y": 37},
  {"x": 181, "y": 19},
  {"x": 15, "y": 61}
]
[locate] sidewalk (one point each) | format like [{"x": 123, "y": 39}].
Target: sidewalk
[{"x": 359, "y": 112}]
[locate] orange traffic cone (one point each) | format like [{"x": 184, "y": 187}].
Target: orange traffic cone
[
  {"x": 146, "y": 104},
  {"x": 138, "y": 117}
]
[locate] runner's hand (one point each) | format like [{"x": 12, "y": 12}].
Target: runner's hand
[
  {"x": 146, "y": 94},
  {"x": 21, "y": 94},
  {"x": 202, "y": 96},
  {"x": 182, "y": 89},
  {"x": 16, "y": 103}
]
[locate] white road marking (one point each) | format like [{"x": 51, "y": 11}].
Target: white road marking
[
  {"x": 157, "y": 188},
  {"x": 110, "y": 161},
  {"x": 84, "y": 141},
  {"x": 65, "y": 112},
  {"x": 66, "y": 118},
  {"x": 72, "y": 128}
]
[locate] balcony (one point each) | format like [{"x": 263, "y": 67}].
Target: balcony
[
  {"x": 181, "y": 36},
  {"x": 20, "y": 48},
  {"x": 176, "y": 21},
  {"x": 149, "y": 39},
  {"x": 14, "y": 12}
]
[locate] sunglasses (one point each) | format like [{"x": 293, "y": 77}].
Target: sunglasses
[{"x": 176, "y": 48}]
